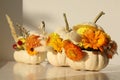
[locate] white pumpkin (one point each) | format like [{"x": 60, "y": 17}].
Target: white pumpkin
[
  {"x": 91, "y": 61},
  {"x": 59, "y": 59},
  {"x": 56, "y": 58},
  {"x": 38, "y": 41},
  {"x": 23, "y": 56}
]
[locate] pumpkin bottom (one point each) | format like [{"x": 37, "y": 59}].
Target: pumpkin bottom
[
  {"x": 92, "y": 61},
  {"x": 24, "y": 57},
  {"x": 57, "y": 59}
]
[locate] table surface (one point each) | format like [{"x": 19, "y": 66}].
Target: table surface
[{"x": 10, "y": 70}]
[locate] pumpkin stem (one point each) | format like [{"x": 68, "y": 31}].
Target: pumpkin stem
[
  {"x": 43, "y": 27},
  {"x": 98, "y": 16},
  {"x": 13, "y": 32},
  {"x": 66, "y": 22}
]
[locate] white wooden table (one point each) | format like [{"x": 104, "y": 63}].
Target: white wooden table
[{"x": 10, "y": 70}]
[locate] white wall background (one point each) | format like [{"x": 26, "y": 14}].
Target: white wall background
[{"x": 77, "y": 11}]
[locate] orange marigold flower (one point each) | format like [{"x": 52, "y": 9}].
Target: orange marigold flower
[
  {"x": 95, "y": 39},
  {"x": 31, "y": 42},
  {"x": 72, "y": 51},
  {"x": 55, "y": 42}
]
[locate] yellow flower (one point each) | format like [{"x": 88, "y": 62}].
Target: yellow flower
[
  {"x": 81, "y": 29},
  {"x": 55, "y": 42},
  {"x": 95, "y": 39},
  {"x": 32, "y": 42},
  {"x": 72, "y": 51}
]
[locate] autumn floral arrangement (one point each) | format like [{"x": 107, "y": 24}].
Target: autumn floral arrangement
[
  {"x": 89, "y": 47},
  {"x": 29, "y": 47},
  {"x": 94, "y": 38}
]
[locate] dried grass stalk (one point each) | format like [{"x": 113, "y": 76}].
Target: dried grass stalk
[
  {"x": 23, "y": 31},
  {"x": 13, "y": 32}
]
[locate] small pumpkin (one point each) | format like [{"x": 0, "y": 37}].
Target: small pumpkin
[
  {"x": 29, "y": 48},
  {"x": 30, "y": 53},
  {"x": 55, "y": 54},
  {"x": 94, "y": 43}
]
